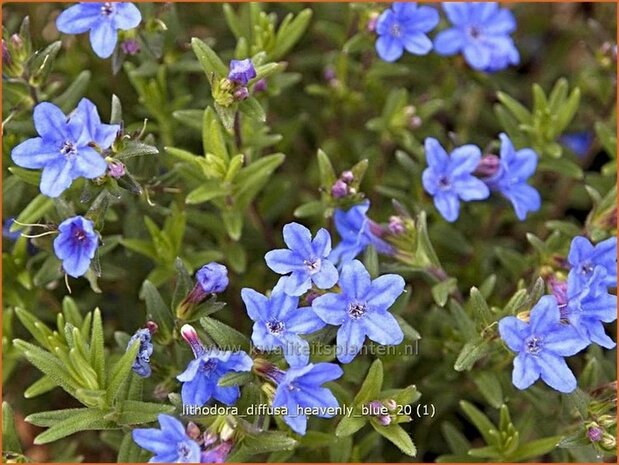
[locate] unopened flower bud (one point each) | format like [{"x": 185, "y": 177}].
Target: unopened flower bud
[
  {"x": 211, "y": 279},
  {"x": 217, "y": 454},
  {"x": 375, "y": 407},
  {"x": 488, "y": 166},
  {"x": 607, "y": 421},
  {"x": 415, "y": 122},
  {"x": 16, "y": 42},
  {"x": 209, "y": 438},
  {"x": 559, "y": 290},
  {"x": 608, "y": 442},
  {"x": 260, "y": 86},
  {"x": 192, "y": 430},
  {"x": 241, "y": 94},
  {"x": 391, "y": 404},
  {"x": 116, "y": 169},
  {"x": 396, "y": 225},
  {"x": 152, "y": 326},
  {"x": 594, "y": 433},
  {"x": 6, "y": 55},
  {"x": 190, "y": 336},
  {"x": 130, "y": 47},
  {"x": 339, "y": 189},
  {"x": 226, "y": 432},
  {"x": 372, "y": 20},
  {"x": 329, "y": 74},
  {"x": 347, "y": 176},
  {"x": 384, "y": 420}
]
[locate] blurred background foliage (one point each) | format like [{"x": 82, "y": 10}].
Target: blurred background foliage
[{"x": 331, "y": 92}]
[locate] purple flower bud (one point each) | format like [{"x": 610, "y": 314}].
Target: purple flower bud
[
  {"x": 6, "y": 55},
  {"x": 192, "y": 430},
  {"x": 217, "y": 454},
  {"x": 190, "y": 336},
  {"x": 116, "y": 169},
  {"x": 375, "y": 407},
  {"x": 384, "y": 420},
  {"x": 396, "y": 225},
  {"x": 16, "y": 41},
  {"x": 130, "y": 47},
  {"x": 260, "y": 86},
  {"x": 241, "y": 71},
  {"x": 329, "y": 74},
  {"x": 414, "y": 122},
  {"x": 339, "y": 189},
  {"x": 488, "y": 166},
  {"x": 371, "y": 26},
  {"x": 347, "y": 176},
  {"x": 209, "y": 438},
  {"x": 213, "y": 278},
  {"x": 391, "y": 404},
  {"x": 241, "y": 94},
  {"x": 559, "y": 290},
  {"x": 152, "y": 326},
  {"x": 594, "y": 434}
]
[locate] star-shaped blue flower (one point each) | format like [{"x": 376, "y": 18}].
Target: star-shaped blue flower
[
  {"x": 302, "y": 387},
  {"x": 449, "y": 178},
  {"x": 589, "y": 305},
  {"x": 361, "y": 310},
  {"x": 201, "y": 376},
  {"x": 170, "y": 444},
  {"x": 63, "y": 149},
  {"x": 305, "y": 259},
  {"x": 279, "y": 322},
  {"x": 541, "y": 345},
  {"x": 357, "y": 232},
  {"x": 516, "y": 167},
  {"x": 481, "y": 31},
  {"x": 76, "y": 245},
  {"x": 584, "y": 257},
  {"x": 404, "y": 26},
  {"x": 103, "y": 20}
]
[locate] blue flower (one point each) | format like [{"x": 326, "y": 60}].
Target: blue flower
[
  {"x": 305, "y": 259},
  {"x": 589, "y": 305},
  {"x": 584, "y": 258},
  {"x": 170, "y": 444},
  {"x": 515, "y": 169},
  {"x": 241, "y": 71},
  {"x": 404, "y": 26},
  {"x": 201, "y": 376},
  {"x": 279, "y": 322},
  {"x": 481, "y": 31},
  {"x": 103, "y": 20},
  {"x": 357, "y": 231},
  {"x": 541, "y": 345},
  {"x": 76, "y": 245},
  {"x": 141, "y": 365},
  {"x": 449, "y": 179},
  {"x": 302, "y": 387},
  {"x": 63, "y": 149},
  {"x": 578, "y": 142},
  {"x": 361, "y": 309}
]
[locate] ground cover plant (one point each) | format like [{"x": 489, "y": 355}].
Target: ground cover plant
[{"x": 309, "y": 232}]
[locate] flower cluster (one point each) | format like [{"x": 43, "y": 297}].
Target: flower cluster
[
  {"x": 481, "y": 31},
  {"x": 567, "y": 321},
  {"x": 465, "y": 175}
]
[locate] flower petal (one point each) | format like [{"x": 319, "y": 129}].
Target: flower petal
[
  {"x": 513, "y": 331},
  {"x": 382, "y": 327},
  {"x": 545, "y": 315},
  {"x": 526, "y": 371},
  {"x": 321, "y": 244},
  {"x": 555, "y": 372},
  {"x": 79, "y": 18},
  {"x": 256, "y": 304},
  {"x": 564, "y": 341},
  {"x": 331, "y": 308},
  {"x": 457, "y": 12},
  {"x": 127, "y": 16},
  {"x": 299, "y": 239},
  {"x": 50, "y": 122},
  {"x": 355, "y": 280},
  {"x": 469, "y": 188},
  {"x": 88, "y": 163},
  {"x": 476, "y": 55},
  {"x": 417, "y": 43},
  {"x": 34, "y": 153},
  {"x": 103, "y": 38},
  {"x": 327, "y": 277},
  {"x": 384, "y": 291},
  {"x": 56, "y": 178},
  {"x": 389, "y": 48},
  {"x": 464, "y": 159},
  {"x": 321, "y": 373},
  {"x": 350, "y": 338},
  {"x": 448, "y": 42},
  {"x": 226, "y": 394},
  {"x": 436, "y": 156},
  {"x": 284, "y": 261},
  {"x": 298, "y": 283},
  {"x": 448, "y": 205},
  {"x": 304, "y": 321}
]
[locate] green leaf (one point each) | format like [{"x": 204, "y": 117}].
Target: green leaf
[
  {"x": 234, "y": 379},
  {"x": 116, "y": 115},
  {"x": 97, "y": 353},
  {"x": 567, "y": 112},
  {"x": 136, "y": 412},
  {"x": 252, "y": 178},
  {"x": 288, "y": 36},
  {"x": 516, "y": 108},
  {"x": 455, "y": 439},
  {"x": 372, "y": 385},
  {"x": 209, "y": 60},
  {"x": 120, "y": 372},
  {"x": 480, "y": 306},
  {"x": 88, "y": 419},
  {"x": 41, "y": 386},
  {"x": 312, "y": 208},
  {"x": 535, "y": 448},
  {"x": 29, "y": 176},
  {"x": 262, "y": 443},
  {"x": 225, "y": 337},
  {"x": 442, "y": 290},
  {"x": 136, "y": 149},
  {"x": 562, "y": 166},
  {"x": 325, "y": 168},
  {"x": 68, "y": 100},
  {"x": 129, "y": 451},
  {"x": 213, "y": 140},
  {"x": 157, "y": 309},
  {"x": 10, "y": 439},
  {"x": 488, "y": 384},
  {"x": 252, "y": 108},
  {"x": 43, "y": 62},
  {"x": 51, "y": 417},
  {"x": 481, "y": 421},
  {"x": 35, "y": 210},
  {"x": 233, "y": 222},
  {"x": 399, "y": 437},
  {"x": 340, "y": 450},
  {"x": 190, "y": 118},
  {"x": 349, "y": 425},
  {"x": 471, "y": 353},
  {"x": 207, "y": 191}
]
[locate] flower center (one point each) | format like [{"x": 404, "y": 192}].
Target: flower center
[
  {"x": 534, "y": 345},
  {"x": 209, "y": 366},
  {"x": 356, "y": 310},
  {"x": 68, "y": 149},
  {"x": 79, "y": 235},
  {"x": 275, "y": 327},
  {"x": 183, "y": 451},
  {"x": 586, "y": 268},
  {"x": 474, "y": 32},
  {"x": 107, "y": 9},
  {"x": 444, "y": 182},
  {"x": 396, "y": 30},
  {"x": 312, "y": 265}
]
